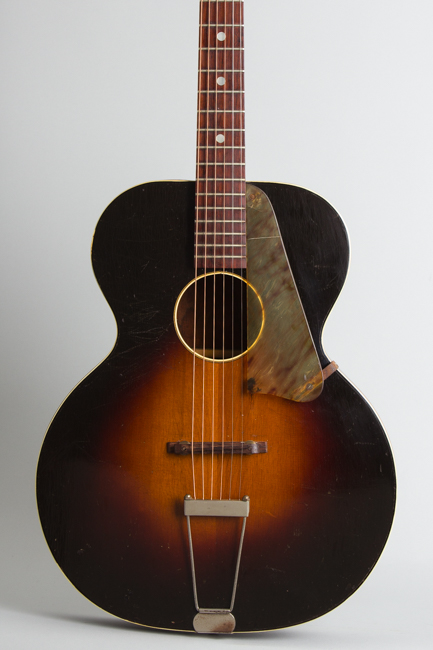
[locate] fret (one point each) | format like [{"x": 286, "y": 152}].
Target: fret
[
  {"x": 225, "y": 103},
  {"x": 233, "y": 38},
  {"x": 212, "y": 49},
  {"x": 232, "y": 262},
  {"x": 228, "y": 257},
  {"x": 221, "y": 91},
  {"x": 230, "y": 225},
  {"x": 224, "y": 69},
  {"x": 222, "y": 189},
  {"x": 216, "y": 236},
  {"x": 213, "y": 174},
  {"x": 233, "y": 81},
  {"x": 226, "y": 59},
  {"x": 222, "y": 207},
  {"x": 225, "y": 231},
  {"x": 223, "y": 234},
  {"x": 219, "y": 25},
  {"x": 233, "y": 130},
  {"x": 224, "y": 228},
  {"x": 219, "y": 12},
  {"x": 220, "y": 194},
  {"x": 228, "y": 249},
  {"x": 231, "y": 251},
  {"x": 212, "y": 201},
  {"x": 208, "y": 76},
  {"x": 221, "y": 246},
  {"x": 225, "y": 239},
  {"x": 210, "y": 248},
  {"x": 220, "y": 229},
  {"x": 221, "y": 119},
  {"x": 220, "y": 226},
  {"x": 220, "y": 156},
  {"x": 222, "y": 184},
  {"x": 207, "y": 164},
  {"x": 221, "y": 110},
  {"x": 212, "y": 139},
  {"x": 202, "y": 179}
]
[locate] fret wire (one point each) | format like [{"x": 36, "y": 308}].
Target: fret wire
[
  {"x": 221, "y": 234},
  {"x": 223, "y": 207},
  {"x": 219, "y": 163},
  {"x": 239, "y": 180},
  {"x": 219, "y": 110},
  {"x": 221, "y": 49},
  {"x": 220, "y": 194},
  {"x": 220, "y": 70},
  {"x": 221, "y": 246},
  {"x": 221, "y": 91},
  {"x": 226, "y": 257},
  {"x": 201, "y": 220},
  {"x": 216, "y": 233}
]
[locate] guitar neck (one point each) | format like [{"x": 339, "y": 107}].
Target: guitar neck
[{"x": 220, "y": 240}]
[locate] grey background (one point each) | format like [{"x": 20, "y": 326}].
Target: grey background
[{"x": 100, "y": 95}]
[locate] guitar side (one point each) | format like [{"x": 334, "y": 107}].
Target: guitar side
[{"x": 110, "y": 496}]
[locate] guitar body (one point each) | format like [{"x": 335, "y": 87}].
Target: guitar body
[{"x": 110, "y": 496}]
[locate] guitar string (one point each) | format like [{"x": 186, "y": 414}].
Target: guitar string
[
  {"x": 243, "y": 359},
  {"x": 205, "y": 281},
  {"x": 214, "y": 262},
  {"x": 224, "y": 260},
  {"x": 232, "y": 279},
  {"x": 194, "y": 368}
]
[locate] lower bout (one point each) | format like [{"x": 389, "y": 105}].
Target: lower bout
[{"x": 320, "y": 511}]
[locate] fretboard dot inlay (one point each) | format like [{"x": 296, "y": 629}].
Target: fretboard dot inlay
[
  {"x": 221, "y": 81},
  {"x": 221, "y": 36},
  {"x": 220, "y": 138}
]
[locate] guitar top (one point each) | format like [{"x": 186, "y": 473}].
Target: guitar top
[{"x": 216, "y": 472}]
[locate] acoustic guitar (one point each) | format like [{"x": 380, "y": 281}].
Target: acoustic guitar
[{"x": 216, "y": 472}]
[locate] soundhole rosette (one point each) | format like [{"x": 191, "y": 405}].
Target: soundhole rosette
[{"x": 210, "y": 316}]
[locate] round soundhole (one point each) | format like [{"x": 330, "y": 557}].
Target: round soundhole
[{"x": 211, "y": 315}]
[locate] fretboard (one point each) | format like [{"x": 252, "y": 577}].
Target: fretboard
[{"x": 220, "y": 239}]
